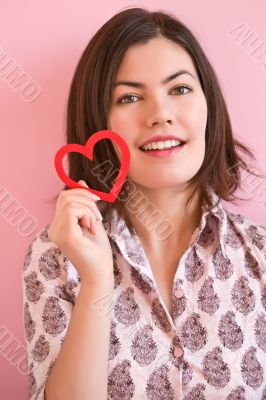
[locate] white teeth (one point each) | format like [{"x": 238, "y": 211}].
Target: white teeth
[{"x": 167, "y": 144}]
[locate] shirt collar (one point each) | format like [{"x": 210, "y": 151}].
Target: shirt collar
[
  {"x": 131, "y": 247},
  {"x": 218, "y": 212}
]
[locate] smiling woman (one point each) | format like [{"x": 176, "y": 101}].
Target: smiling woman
[
  {"x": 180, "y": 316},
  {"x": 176, "y": 92}
]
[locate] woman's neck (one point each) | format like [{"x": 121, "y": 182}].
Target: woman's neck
[{"x": 181, "y": 220}]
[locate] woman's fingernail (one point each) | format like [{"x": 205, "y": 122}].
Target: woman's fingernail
[{"x": 81, "y": 182}]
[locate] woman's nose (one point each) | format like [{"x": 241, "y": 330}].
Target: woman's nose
[{"x": 160, "y": 114}]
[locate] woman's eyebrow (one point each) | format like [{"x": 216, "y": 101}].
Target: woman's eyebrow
[{"x": 166, "y": 80}]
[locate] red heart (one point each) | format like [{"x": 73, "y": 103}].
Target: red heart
[{"x": 87, "y": 151}]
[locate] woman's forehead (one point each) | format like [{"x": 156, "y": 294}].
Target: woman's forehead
[{"x": 139, "y": 63}]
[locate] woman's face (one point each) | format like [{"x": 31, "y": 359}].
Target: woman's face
[{"x": 161, "y": 109}]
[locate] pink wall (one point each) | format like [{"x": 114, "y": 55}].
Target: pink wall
[{"x": 45, "y": 40}]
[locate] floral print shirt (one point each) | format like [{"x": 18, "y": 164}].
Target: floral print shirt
[{"x": 213, "y": 348}]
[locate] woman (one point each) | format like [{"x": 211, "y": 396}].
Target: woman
[{"x": 165, "y": 298}]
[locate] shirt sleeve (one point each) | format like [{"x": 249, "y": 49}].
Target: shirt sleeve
[
  {"x": 257, "y": 236},
  {"x": 50, "y": 285}
]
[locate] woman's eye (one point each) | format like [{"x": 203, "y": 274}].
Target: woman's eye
[
  {"x": 182, "y": 87},
  {"x": 128, "y": 96}
]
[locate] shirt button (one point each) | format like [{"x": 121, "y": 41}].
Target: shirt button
[
  {"x": 178, "y": 352},
  {"x": 179, "y": 293}
]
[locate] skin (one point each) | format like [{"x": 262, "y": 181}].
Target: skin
[{"x": 160, "y": 109}]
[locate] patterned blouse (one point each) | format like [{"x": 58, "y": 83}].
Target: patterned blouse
[{"x": 213, "y": 348}]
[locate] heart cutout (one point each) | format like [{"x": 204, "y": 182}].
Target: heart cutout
[{"x": 87, "y": 151}]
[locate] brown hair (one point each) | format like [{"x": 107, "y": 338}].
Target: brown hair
[{"x": 90, "y": 99}]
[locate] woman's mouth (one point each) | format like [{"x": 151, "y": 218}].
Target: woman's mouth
[{"x": 161, "y": 153}]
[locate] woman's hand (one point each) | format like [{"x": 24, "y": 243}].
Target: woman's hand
[{"x": 78, "y": 231}]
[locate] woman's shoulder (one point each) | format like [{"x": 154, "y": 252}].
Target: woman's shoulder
[
  {"x": 253, "y": 231},
  {"x": 44, "y": 259},
  {"x": 246, "y": 222},
  {"x": 42, "y": 248}
]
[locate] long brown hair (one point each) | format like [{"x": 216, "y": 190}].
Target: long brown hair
[{"x": 90, "y": 100}]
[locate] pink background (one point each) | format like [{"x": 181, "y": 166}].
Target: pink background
[{"x": 46, "y": 40}]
